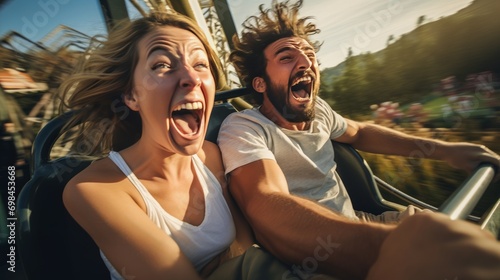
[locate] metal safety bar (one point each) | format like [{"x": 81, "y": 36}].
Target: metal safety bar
[{"x": 463, "y": 200}]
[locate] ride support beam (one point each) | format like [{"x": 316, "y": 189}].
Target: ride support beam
[
  {"x": 226, "y": 20},
  {"x": 113, "y": 11}
]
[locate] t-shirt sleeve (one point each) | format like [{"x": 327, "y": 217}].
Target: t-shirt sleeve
[
  {"x": 339, "y": 125},
  {"x": 242, "y": 140},
  {"x": 335, "y": 122}
]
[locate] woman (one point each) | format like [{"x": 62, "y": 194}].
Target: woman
[{"x": 157, "y": 206}]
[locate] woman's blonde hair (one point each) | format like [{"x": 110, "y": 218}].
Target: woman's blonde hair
[{"x": 95, "y": 92}]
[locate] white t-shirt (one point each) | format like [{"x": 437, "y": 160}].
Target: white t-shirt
[{"x": 305, "y": 157}]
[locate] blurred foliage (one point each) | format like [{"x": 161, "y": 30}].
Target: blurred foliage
[
  {"x": 434, "y": 181},
  {"x": 412, "y": 66}
]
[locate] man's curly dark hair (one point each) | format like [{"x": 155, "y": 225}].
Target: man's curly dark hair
[{"x": 280, "y": 21}]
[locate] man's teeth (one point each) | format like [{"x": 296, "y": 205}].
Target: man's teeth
[
  {"x": 303, "y": 79},
  {"x": 189, "y": 106}
]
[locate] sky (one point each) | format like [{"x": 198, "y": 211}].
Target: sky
[
  {"x": 362, "y": 25},
  {"x": 36, "y": 18}
]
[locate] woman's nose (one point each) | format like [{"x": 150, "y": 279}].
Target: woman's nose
[{"x": 189, "y": 77}]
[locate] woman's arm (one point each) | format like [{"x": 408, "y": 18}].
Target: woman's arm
[{"x": 133, "y": 244}]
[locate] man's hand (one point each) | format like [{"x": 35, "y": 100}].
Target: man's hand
[
  {"x": 468, "y": 156},
  {"x": 431, "y": 246}
]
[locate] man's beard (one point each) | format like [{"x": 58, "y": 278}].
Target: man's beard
[{"x": 279, "y": 98}]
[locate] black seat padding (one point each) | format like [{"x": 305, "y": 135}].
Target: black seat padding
[
  {"x": 219, "y": 113},
  {"x": 52, "y": 245},
  {"x": 358, "y": 180}
]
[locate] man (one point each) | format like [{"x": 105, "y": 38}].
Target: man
[{"x": 280, "y": 161}]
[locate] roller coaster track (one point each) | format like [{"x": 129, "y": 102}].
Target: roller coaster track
[{"x": 54, "y": 56}]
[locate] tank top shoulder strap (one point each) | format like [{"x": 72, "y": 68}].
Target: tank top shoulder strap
[
  {"x": 211, "y": 181},
  {"x": 120, "y": 162}
]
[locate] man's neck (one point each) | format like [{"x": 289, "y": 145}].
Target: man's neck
[{"x": 270, "y": 112}]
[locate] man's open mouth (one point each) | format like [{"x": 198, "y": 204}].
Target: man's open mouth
[
  {"x": 187, "y": 117},
  {"x": 301, "y": 88}
]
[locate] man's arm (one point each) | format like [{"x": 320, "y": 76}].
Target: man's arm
[
  {"x": 382, "y": 140},
  {"x": 431, "y": 246},
  {"x": 300, "y": 231}
]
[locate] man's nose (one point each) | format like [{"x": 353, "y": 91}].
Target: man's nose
[{"x": 304, "y": 62}]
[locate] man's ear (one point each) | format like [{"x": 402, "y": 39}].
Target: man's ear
[
  {"x": 131, "y": 101},
  {"x": 259, "y": 84}
]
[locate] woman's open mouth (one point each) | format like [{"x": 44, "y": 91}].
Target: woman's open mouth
[{"x": 187, "y": 118}]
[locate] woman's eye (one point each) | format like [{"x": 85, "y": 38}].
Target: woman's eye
[
  {"x": 161, "y": 65},
  {"x": 201, "y": 65}
]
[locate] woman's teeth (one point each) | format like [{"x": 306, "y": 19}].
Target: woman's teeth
[{"x": 189, "y": 106}]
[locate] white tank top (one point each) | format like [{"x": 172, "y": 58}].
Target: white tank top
[{"x": 199, "y": 243}]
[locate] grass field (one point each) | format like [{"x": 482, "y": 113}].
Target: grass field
[{"x": 433, "y": 181}]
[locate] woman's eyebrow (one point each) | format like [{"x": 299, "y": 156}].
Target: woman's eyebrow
[
  {"x": 157, "y": 48},
  {"x": 195, "y": 46}
]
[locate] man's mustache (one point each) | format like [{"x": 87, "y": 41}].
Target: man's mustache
[{"x": 301, "y": 74}]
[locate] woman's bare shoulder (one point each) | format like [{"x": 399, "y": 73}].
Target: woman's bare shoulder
[
  {"x": 211, "y": 157},
  {"x": 99, "y": 194},
  {"x": 209, "y": 149},
  {"x": 100, "y": 172},
  {"x": 101, "y": 180}
]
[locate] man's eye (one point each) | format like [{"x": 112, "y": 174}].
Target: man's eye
[
  {"x": 286, "y": 58},
  {"x": 161, "y": 65}
]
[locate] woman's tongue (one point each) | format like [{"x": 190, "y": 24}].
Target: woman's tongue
[{"x": 186, "y": 122}]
